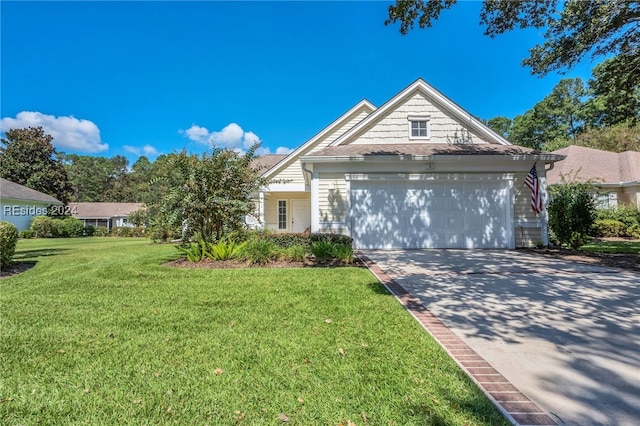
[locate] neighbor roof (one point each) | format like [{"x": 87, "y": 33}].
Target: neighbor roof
[
  {"x": 14, "y": 191},
  {"x": 584, "y": 164},
  {"x": 103, "y": 210}
]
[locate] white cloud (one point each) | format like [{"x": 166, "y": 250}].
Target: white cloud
[
  {"x": 146, "y": 150},
  {"x": 231, "y": 136},
  {"x": 68, "y": 132},
  {"x": 283, "y": 150}
]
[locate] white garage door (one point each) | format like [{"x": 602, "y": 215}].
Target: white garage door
[{"x": 429, "y": 214}]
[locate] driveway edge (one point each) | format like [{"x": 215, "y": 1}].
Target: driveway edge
[{"x": 513, "y": 404}]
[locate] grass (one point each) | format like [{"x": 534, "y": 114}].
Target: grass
[
  {"x": 620, "y": 247},
  {"x": 100, "y": 332}
]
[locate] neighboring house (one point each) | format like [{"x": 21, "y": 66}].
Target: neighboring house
[
  {"x": 616, "y": 174},
  {"x": 109, "y": 215},
  {"x": 21, "y": 204},
  {"x": 417, "y": 172}
]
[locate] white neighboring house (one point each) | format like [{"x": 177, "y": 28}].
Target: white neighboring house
[
  {"x": 417, "y": 172},
  {"x": 109, "y": 215},
  {"x": 20, "y": 204}
]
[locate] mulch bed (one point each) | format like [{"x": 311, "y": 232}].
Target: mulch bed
[
  {"x": 207, "y": 263},
  {"x": 16, "y": 268}
]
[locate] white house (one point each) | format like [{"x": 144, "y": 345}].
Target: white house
[
  {"x": 19, "y": 204},
  {"x": 416, "y": 172},
  {"x": 109, "y": 215}
]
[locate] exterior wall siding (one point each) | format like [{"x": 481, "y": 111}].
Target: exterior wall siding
[
  {"x": 17, "y": 212},
  {"x": 333, "y": 202},
  {"x": 394, "y": 128}
]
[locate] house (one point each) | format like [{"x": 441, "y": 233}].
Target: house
[
  {"x": 109, "y": 215},
  {"x": 417, "y": 172},
  {"x": 617, "y": 175},
  {"x": 19, "y": 204}
]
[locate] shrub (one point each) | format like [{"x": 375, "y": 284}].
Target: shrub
[
  {"x": 322, "y": 250},
  {"x": 343, "y": 252},
  {"x": 288, "y": 239},
  {"x": 224, "y": 250},
  {"x": 138, "y": 231},
  {"x": 259, "y": 251},
  {"x": 27, "y": 233},
  {"x": 634, "y": 231},
  {"x": 58, "y": 228},
  {"x": 43, "y": 227},
  {"x": 610, "y": 228},
  {"x": 332, "y": 238},
  {"x": 122, "y": 231},
  {"x": 72, "y": 227},
  {"x": 89, "y": 231},
  {"x": 194, "y": 252},
  {"x": 572, "y": 212},
  {"x": 295, "y": 253},
  {"x": 629, "y": 215},
  {"x": 101, "y": 231},
  {"x": 8, "y": 241}
]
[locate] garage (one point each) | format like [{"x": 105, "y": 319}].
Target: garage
[{"x": 430, "y": 213}]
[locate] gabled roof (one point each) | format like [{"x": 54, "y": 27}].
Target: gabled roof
[
  {"x": 265, "y": 162},
  {"x": 13, "y": 191},
  {"x": 605, "y": 167},
  {"x": 103, "y": 210},
  {"x": 361, "y": 106},
  {"x": 434, "y": 96}
]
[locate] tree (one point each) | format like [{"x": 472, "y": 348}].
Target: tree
[
  {"x": 572, "y": 212},
  {"x": 574, "y": 29},
  {"x": 619, "y": 138},
  {"x": 28, "y": 158},
  {"x": 213, "y": 192},
  {"x": 500, "y": 125}
]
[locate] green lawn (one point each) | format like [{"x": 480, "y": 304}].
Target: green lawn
[
  {"x": 100, "y": 332},
  {"x": 624, "y": 247}
]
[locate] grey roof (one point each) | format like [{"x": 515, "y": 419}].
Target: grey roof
[
  {"x": 584, "y": 164},
  {"x": 266, "y": 162},
  {"x": 14, "y": 191},
  {"x": 103, "y": 210},
  {"x": 421, "y": 149}
]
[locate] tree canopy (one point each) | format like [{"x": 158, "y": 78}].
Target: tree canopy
[{"x": 27, "y": 157}]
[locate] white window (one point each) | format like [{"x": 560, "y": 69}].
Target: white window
[
  {"x": 419, "y": 127},
  {"x": 282, "y": 214}
]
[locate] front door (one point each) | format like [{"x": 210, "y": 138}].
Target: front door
[{"x": 300, "y": 215}]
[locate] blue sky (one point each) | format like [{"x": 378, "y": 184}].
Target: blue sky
[{"x": 131, "y": 78}]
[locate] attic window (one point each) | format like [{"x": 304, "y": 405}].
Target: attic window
[{"x": 419, "y": 127}]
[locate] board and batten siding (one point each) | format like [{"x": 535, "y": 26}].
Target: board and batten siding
[
  {"x": 293, "y": 173},
  {"x": 333, "y": 202},
  {"x": 394, "y": 128},
  {"x": 271, "y": 208}
]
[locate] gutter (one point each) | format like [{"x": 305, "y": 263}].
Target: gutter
[{"x": 394, "y": 157}]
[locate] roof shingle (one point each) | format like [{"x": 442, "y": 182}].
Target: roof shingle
[
  {"x": 584, "y": 164},
  {"x": 15, "y": 191}
]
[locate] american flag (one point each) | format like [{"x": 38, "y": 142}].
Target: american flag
[{"x": 533, "y": 183}]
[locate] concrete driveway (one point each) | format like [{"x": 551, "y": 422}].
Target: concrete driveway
[{"x": 565, "y": 334}]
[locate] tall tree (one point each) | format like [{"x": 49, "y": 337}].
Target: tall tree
[
  {"x": 500, "y": 125},
  {"x": 28, "y": 157},
  {"x": 574, "y": 29}
]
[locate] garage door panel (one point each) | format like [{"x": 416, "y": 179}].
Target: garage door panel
[{"x": 429, "y": 214}]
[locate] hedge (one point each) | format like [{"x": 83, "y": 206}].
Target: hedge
[{"x": 8, "y": 241}]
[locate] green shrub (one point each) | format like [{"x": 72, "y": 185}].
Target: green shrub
[
  {"x": 572, "y": 212},
  {"x": 72, "y": 227},
  {"x": 101, "y": 231},
  {"x": 8, "y": 241},
  {"x": 332, "y": 238},
  {"x": 58, "y": 227},
  {"x": 629, "y": 215},
  {"x": 122, "y": 231},
  {"x": 634, "y": 231},
  {"x": 295, "y": 253},
  {"x": 259, "y": 251},
  {"x": 342, "y": 252},
  {"x": 43, "y": 227},
  {"x": 286, "y": 240},
  {"x": 27, "y": 233},
  {"x": 224, "y": 250},
  {"x": 610, "y": 228},
  {"x": 322, "y": 250},
  {"x": 138, "y": 231},
  {"x": 194, "y": 252},
  {"x": 89, "y": 231}
]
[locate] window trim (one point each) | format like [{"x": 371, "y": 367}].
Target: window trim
[
  {"x": 286, "y": 214},
  {"x": 419, "y": 118}
]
